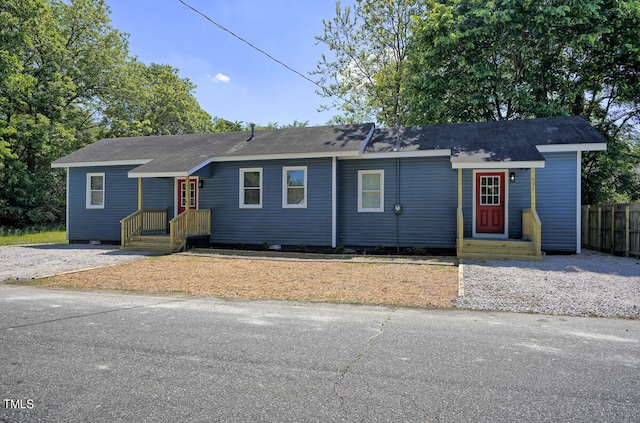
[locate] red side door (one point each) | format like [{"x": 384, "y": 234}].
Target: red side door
[
  {"x": 490, "y": 202},
  {"x": 182, "y": 194}
]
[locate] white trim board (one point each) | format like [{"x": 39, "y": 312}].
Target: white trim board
[
  {"x": 400, "y": 154},
  {"x": 579, "y": 202},
  {"x": 557, "y": 148},
  {"x": 102, "y": 163},
  {"x": 492, "y": 165},
  {"x": 334, "y": 202}
]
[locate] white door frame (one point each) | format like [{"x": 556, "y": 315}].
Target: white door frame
[
  {"x": 504, "y": 235},
  {"x": 176, "y": 194}
]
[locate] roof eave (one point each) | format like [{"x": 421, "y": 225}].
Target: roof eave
[
  {"x": 441, "y": 152},
  {"x": 497, "y": 164},
  {"x": 58, "y": 164},
  {"x": 179, "y": 174},
  {"x": 561, "y": 148}
]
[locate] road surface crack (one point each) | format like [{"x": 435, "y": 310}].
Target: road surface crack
[
  {"x": 83, "y": 315},
  {"x": 369, "y": 344}
]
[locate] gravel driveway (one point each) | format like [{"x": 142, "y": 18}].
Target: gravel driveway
[
  {"x": 32, "y": 261},
  {"x": 589, "y": 284}
]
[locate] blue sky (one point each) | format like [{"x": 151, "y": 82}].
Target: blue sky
[{"x": 234, "y": 81}]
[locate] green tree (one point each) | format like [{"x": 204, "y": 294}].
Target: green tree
[
  {"x": 55, "y": 60},
  {"x": 475, "y": 60},
  {"x": 153, "y": 100},
  {"x": 223, "y": 125},
  {"x": 66, "y": 79},
  {"x": 366, "y": 73},
  {"x": 275, "y": 125}
]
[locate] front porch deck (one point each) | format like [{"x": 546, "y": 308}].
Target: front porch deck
[
  {"x": 503, "y": 249},
  {"x": 527, "y": 248},
  {"x": 146, "y": 230}
]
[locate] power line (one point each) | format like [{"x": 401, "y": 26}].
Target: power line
[{"x": 325, "y": 90}]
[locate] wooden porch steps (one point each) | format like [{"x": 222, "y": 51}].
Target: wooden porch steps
[
  {"x": 486, "y": 249},
  {"x": 152, "y": 243}
]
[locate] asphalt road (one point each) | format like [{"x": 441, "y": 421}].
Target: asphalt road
[{"x": 106, "y": 357}]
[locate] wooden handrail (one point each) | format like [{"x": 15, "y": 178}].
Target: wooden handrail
[
  {"x": 130, "y": 226},
  {"x": 532, "y": 228},
  {"x": 142, "y": 221},
  {"x": 189, "y": 223}
]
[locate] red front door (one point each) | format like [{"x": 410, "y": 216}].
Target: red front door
[
  {"x": 182, "y": 194},
  {"x": 490, "y": 202}
]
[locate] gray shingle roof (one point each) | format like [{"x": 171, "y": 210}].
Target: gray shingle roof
[
  {"x": 499, "y": 141},
  {"x": 181, "y": 153}
]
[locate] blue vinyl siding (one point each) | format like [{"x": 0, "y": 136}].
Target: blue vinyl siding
[
  {"x": 519, "y": 199},
  {"x": 121, "y": 199},
  {"x": 556, "y": 201},
  {"x": 428, "y": 195},
  {"x": 272, "y": 223}
]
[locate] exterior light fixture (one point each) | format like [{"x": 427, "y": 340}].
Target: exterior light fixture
[
  {"x": 200, "y": 183},
  {"x": 512, "y": 177}
]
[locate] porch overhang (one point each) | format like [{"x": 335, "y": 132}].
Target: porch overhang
[
  {"x": 561, "y": 148},
  {"x": 496, "y": 164},
  {"x": 169, "y": 167}
]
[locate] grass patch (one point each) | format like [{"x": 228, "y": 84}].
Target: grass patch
[
  {"x": 397, "y": 284},
  {"x": 18, "y": 237}
]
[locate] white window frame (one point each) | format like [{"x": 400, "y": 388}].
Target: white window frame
[
  {"x": 285, "y": 188},
  {"x": 242, "y": 187},
  {"x": 362, "y": 209},
  {"x": 89, "y": 191}
]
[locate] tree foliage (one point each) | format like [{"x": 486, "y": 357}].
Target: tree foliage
[
  {"x": 153, "y": 100},
  {"x": 366, "y": 72},
  {"x": 416, "y": 62},
  {"x": 473, "y": 60},
  {"x": 66, "y": 79},
  {"x": 55, "y": 60}
]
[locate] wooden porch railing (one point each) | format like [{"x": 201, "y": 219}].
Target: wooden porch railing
[
  {"x": 141, "y": 222},
  {"x": 460, "y": 232},
  {"x": 188, "y": 223},
  {"x": 532, "y": 228}
]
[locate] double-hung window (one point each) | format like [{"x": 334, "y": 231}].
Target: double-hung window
[
  {"x": 294, "y": 187},
  {"x": 370, "y": 191},
  {"x": 251, "y": 188},
  {"x": 95, "y": 191}
]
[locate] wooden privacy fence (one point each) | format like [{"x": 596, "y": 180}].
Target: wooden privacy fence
[{"x": 612, "y": 228}]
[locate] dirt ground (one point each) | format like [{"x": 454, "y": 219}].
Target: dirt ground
[{"x": 412, "y": 283}]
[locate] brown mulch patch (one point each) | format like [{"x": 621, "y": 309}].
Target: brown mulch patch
[{"x": 402, "y": 284}]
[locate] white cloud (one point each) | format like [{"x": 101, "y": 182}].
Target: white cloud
[{"x": 220, "y": 77}]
